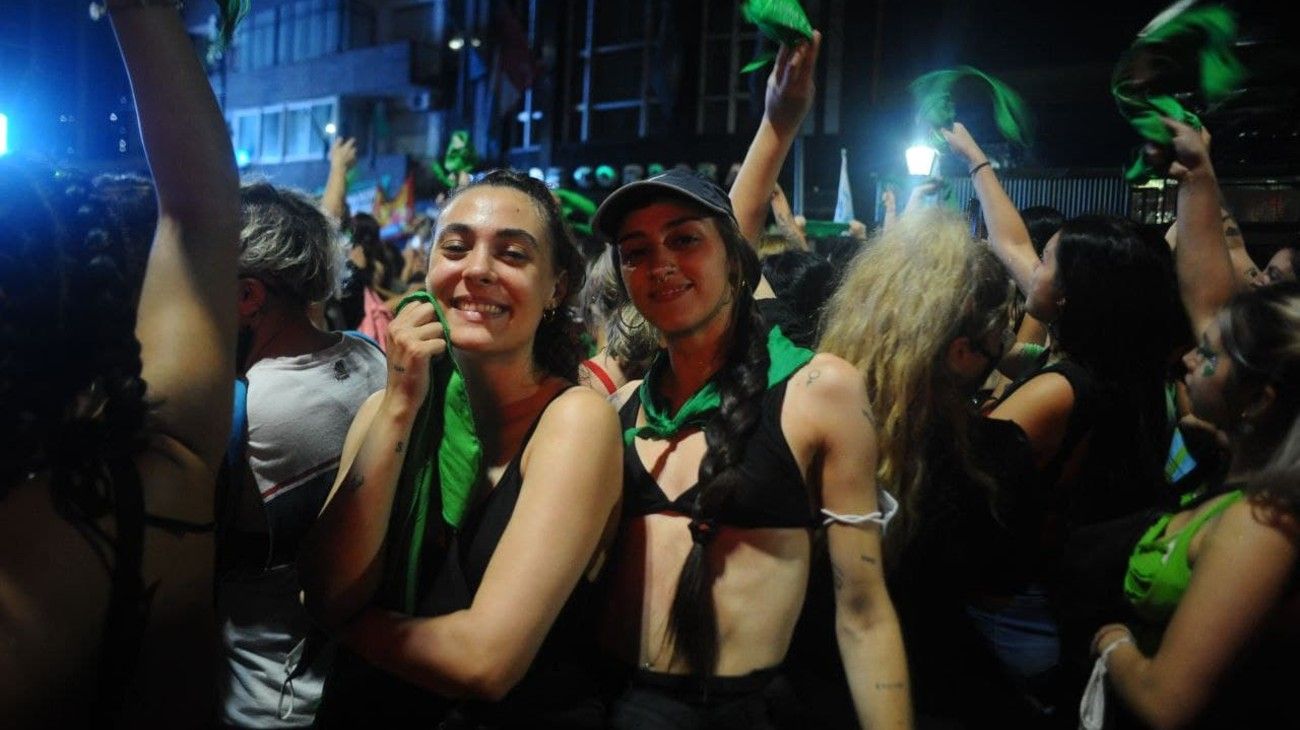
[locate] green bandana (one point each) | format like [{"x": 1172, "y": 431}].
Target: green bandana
[
  {"x": 460, "y": 157},
  {"x": 786, "y": 358},
  {"x": 932, "y": 93},
  {"x": 1211, "y": 32},
  {"x": 577, "y": 208},
  {"x": 783, "y": 21},
  {"x": 443, "y": 464},
  {"x": 229, "y": 13}
]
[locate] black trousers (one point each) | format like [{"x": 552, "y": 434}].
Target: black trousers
[{"x": 762, "y": 700}]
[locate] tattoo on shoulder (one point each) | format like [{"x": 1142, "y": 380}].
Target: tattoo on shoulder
[{"x": 812, "y": 375}]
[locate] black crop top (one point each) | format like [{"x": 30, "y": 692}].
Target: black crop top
[{"x": 773, "y": 495}]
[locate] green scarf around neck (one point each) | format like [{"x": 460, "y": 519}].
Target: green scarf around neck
[
  {"x": 442, "y": 466},
  {"x": 786, "y": 357}
]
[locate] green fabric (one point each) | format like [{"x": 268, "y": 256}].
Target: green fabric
[
  {"x": 783, "y": 21},
  {"x": 443, "y": 462},
  {"x": 1158, "y": 571},
  {"x": 229, "y": 13},
  {"x": 932, "y": 93},
  {"x": 786, "y": 357},
  {"x": 1211, "y": 31},
  {"x": 824, "y": 229},
  {"x": 577, "y": 208},
  {"x": 460, "y": 157}
]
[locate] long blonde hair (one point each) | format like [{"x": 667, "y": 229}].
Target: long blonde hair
[{"x": 912, "y": 290}]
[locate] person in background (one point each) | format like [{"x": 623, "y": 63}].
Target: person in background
[
  {"x": 116, "y": 397},
  {"x": 1281, "y": 267},
  {"x": 1095, "y": 417},
  {"x": 303, "y": 386},
  {"x": 1213, "y": 584},
  {"x": 624, "y": 342},
  {"x": 923, "y": 314}
]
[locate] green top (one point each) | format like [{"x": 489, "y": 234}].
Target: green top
[{"x": 1158, "y": 571}]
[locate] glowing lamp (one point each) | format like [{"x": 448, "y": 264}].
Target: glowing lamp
[{"x": 921, "y": 159}]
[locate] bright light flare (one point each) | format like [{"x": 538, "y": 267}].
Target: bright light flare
[
  {"x": 4, "y": 135},
  {"x": 331, "y": 129},
  {"x": 921, "y": 159}
]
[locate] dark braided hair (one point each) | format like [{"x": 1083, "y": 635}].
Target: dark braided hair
[
  {"x": 741, "y": 383},
  {"x": 557, "y": 347},
  {"x": 70, "y": 386}
]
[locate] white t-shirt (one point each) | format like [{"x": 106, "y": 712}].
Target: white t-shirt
[{"x": 299, "y": 411}]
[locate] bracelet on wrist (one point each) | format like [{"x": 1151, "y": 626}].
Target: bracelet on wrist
[
  {"x": 108, "y": 7},
  {"x": 979, "y": 167},
  {"x": 1127, "y": 638}
]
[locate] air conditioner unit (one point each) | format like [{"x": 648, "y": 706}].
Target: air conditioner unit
[{"x": 418, "y": 101}]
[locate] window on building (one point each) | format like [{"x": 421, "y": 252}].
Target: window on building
[
  {"x": 247, "y": 131},
  {"x": 272, "y": 135},
  {"x": 627, "y": 73},
  {"x": 424, "y": 22},
  {"x": 305, "y": 135},
  {"x": 298, "y": 30},
  {"x": 284, "y": 132}
]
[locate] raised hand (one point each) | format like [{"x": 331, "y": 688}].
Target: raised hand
[
  {"x": 343, "y": 153},
  {"x": 790, "y": 87},
  {"x": 963, "y": 145},
  {"x": 415, "y": 339},
  {"x": 1191, "y": 149}
]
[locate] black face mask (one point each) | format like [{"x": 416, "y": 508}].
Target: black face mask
[{"x": 243, "y": 348}]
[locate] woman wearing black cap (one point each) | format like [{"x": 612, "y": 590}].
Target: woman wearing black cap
[{"x": 738, "y": 446}]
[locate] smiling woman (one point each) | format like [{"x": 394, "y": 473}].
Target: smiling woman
[{"x": 491, "y": 635}]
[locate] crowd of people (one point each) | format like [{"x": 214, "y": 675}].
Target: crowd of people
[{"x": 713, "y": 475}]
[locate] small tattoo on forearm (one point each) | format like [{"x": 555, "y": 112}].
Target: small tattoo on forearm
[
  {"x": 400, "y": 446},
  {"x": 813, "y": 375},
  {"x": 891, "y": 685},
  {"x": 399, "y": 368},
  {"x": 868, "y": 559}
]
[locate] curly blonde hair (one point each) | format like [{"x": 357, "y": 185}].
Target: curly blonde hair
[{"x": 904, "y": 298}]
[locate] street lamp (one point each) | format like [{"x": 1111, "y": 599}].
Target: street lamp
[{"x": 921, "y": 159}]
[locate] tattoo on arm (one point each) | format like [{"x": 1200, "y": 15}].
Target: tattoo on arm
[
  {"x": 837, "y": 577},
  {"x": 352, "y": 482},
  {"x": 868, "y": 559},
  {"x": 812, "y": 375},
  {"x": 399, "y": 368},
  {"x": 891, "y": 685},
  {"x": 400, "y": 446}
]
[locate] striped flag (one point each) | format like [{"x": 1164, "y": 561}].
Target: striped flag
[{"x": 844, "y": 199}]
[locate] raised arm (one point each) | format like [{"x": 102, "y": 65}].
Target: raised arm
[
  {"x": 830, "y": 393},
  {"x": 785, "y": 217},
  {"x": 186, "y": 320},
  {"x": 343, "y": 155},
  {"x": 1206, "y": 280},
  {"x": 1237, "y": 583},
  {"x": 790, "y": 91},
  {"x": 565, "y": 507},
  {"x": 1007, "y": 232},
  {"x": 341, "y": 560}
]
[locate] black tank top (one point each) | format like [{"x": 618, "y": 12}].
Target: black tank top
[
  {"x": 773, "y": 495},
  {"x": 557, "y": 691}
]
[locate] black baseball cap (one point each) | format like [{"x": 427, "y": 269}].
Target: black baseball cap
[{"x": 685, "y": 184}]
